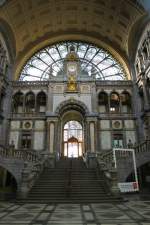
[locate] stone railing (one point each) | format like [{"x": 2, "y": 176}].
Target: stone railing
[
  {"x": 27, "y": 115},
  {"x": 30, "y": 155},
  {"x": 108, "y": 156},
  {"x": 109, "y": 175},
  {"x": 105, "y": 166},
  {"x": 143, "y": 147},
  {"x": 114, "y": 83},
  {"x": 29, "y": 83},
  {"x": 34, "y": 165},
  {"x": 31, "y": 174}
]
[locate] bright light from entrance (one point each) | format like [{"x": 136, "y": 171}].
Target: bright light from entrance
[
  {"x": 72, "y": 150},
  {"x": 73, "y": 139}
]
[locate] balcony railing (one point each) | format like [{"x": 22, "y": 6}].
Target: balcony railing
[{"x": 25, "y": 155}]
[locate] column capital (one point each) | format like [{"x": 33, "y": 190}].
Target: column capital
[
  {"x": 52, "y": 119},
  {"x": 92, "y": 118}
]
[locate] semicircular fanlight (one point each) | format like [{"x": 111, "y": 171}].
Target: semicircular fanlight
[{"x": 95, "y": 62}]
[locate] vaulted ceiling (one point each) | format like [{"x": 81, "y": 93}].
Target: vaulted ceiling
[{"x": 35, "y": 23}]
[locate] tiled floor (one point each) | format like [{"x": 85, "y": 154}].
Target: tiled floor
[{"x": 127, "y": 213}]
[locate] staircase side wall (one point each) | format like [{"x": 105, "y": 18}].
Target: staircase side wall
[
  {"x": 125, "y": 167},
  {"x": 14, "y": 166}
]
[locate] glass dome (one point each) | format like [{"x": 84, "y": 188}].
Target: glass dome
[{"x": 95, "y": 62}]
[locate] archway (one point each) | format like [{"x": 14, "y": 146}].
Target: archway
[
  {"x": 72, "y": 139},
  {"x": 71, "y": 110},
  {"x": 8, "y": 184}
]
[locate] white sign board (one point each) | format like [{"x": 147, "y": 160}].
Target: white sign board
[{"x": 127, "y": 186}]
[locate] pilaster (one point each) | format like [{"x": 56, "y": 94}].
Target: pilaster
[{"x": 92, "y": 131}]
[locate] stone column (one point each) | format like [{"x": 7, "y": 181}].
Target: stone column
[
  {"x": 94, "y": 98},
  {"x": 147, "y": 117},
  {"x": 136, "y": 105},
  {"x": 145, "y": 92},
  {"x": 50, "y": 99},
  {"x": 51, "y": 137},
  {"x": 91, "y": 141},
  {"x": 6, "y": 107},
  {"x": 92, "y": 134},
  {"x": 87, "y": 136},
  {"x": 51, "y": 141}
]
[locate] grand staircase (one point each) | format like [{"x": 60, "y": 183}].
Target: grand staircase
[{"x": 69, "y": 182}]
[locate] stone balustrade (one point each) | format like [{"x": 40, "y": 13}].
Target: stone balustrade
[
  {"x": 109, "y": 176},
  {"x": 30, "y": 155},
  {"x": 31, "y": 174},
  {"x": 108, "y": 156},
  {"x": 125, "y": 163},
  {"x": 30, "y": 83},
  {"x": 27, "y": 115},
  {"x": 143, "y": 147}
]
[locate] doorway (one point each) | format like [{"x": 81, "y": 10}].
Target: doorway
[{"x": 73, "y": 139}]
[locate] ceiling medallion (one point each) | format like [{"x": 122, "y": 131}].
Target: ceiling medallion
[{"x": 2, "y": 2}]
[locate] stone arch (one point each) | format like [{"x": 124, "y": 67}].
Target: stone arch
[
  {"x": 114, "y": 102},
  {"x": 18, "y": 102},
  {"x": 126, "y": 102},
  {"x": 136, "y": 35},
  {"x": 41, "y": 101},
  {"x": 12, "y": 171},
  {"x": 30, "y": 101},
  {"x": 141, "y": 159},
  {"x": 70, "y": 110},
  {"x": 72, "y": 105},
  {"x": 103, "y": 101}
]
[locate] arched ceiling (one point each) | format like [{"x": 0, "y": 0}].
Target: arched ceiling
[{"x": 36, "y": 23}]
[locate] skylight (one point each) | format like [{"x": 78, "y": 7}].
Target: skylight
[{"x": 95, "y": 62}]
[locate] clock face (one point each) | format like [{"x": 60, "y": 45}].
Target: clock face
[{"x": 72, "y": 67}]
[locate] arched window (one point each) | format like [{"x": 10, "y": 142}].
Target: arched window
[
  {"x": 103, "y": 102},
  {"x": 95, "y": 63},
  {"x": 126, "y": 102},
  {"x": 41, "y": 102},
  {"x": 30, "y": 102},
  {"x": 18, "y": 100},
  {"x": 114, "y": 103}
]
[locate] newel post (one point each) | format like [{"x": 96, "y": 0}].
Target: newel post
[
  {"x": 24, "y": 188},
  {"x": 114, "y": 180}
]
